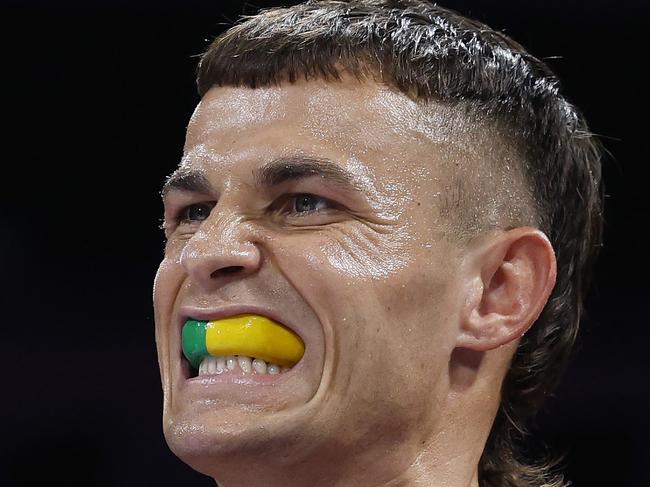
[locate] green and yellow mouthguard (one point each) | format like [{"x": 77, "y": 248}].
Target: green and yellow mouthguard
[{"x": 252, "y": 335}]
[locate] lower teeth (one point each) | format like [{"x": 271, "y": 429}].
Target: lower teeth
[{"x": 241, "y": 363}]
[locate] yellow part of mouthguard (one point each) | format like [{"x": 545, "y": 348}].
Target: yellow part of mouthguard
[{"x": 255, "y": 336}]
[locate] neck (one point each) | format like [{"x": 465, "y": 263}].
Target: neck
[{"x": 457, "y": 472}]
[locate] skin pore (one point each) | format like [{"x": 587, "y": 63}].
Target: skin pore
[{"x": 316, "y": 202}]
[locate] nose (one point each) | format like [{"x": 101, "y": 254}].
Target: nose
[{"x": 224, "y": 248}]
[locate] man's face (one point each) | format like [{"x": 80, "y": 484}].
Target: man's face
[{"x": 358, "y": 264}]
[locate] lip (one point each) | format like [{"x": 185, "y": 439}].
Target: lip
[{"x": 209, "y": 314}]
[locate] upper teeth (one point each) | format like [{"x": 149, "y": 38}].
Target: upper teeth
[{"x": 247, "y": 365}]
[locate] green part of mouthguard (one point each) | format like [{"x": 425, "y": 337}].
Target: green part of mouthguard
[{"x": 194, "y": 343}]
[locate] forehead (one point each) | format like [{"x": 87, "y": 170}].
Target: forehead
[
  {"x": 380, "y": 135},
  {"x": 325, "y": 109}
]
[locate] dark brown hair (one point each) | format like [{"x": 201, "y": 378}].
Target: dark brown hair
[{"x": 434, "y": 54}]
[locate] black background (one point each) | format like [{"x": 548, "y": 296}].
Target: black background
[{"x": 95, "y": 98}]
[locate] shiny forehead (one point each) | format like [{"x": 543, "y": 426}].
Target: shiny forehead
[{"x": 368, "y": 111}]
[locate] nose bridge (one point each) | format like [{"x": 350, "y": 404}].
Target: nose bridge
[
  {"x": 223, "y": 222},
  {"x": 223, "y": 245}
]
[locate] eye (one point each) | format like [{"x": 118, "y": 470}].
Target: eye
[
  {"x": 299, "y": 209},
  {"x": 196, "y": 212},
  {"x": 306, "y": 203}
]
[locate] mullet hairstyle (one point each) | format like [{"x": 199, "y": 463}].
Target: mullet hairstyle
[{"x": 436, "y": 55}]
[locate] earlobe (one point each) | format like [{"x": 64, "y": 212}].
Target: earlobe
[{"x": 509, "y": 276}]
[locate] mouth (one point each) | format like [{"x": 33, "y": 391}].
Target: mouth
[{"x": 237, "y": 346}]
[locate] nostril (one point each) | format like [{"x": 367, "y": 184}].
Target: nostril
[{"x": 233, "y": 269}]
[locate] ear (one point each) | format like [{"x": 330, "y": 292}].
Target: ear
[{"x": 509, "y": 276}]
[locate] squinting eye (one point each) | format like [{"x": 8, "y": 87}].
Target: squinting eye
[
  {"x": 196, "y": 213},
  {"x": 308, "y": 202}
]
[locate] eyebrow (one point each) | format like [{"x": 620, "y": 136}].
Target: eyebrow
[
  {"x": 274, "y": 173},
  {"x": 295, "y": 168},
  {"x": 187, "y": 180}
]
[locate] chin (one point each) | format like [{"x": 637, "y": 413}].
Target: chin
[
  {"x": 206, "y": 440},
  {"x": 272, "y": 440}
]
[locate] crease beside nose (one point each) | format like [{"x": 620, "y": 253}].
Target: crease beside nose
[{"x": 224, "y": 250}]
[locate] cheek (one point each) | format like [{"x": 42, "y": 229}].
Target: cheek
[
  {"x": 163, "y": 299},
  {"x": 168, "y": 280},
  {"x": 402, "y": 350},
  {"x": 385, "y": 296},
  {"x": 363, "y": 258},
  {"x": 335, "y": 270},
  {"x": 391, "y": 337},
  {"x": 167, "y": 274}
]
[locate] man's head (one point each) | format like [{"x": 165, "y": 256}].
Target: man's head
[{"x": 405, "y": 189}]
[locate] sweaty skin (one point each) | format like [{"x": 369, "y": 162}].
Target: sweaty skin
[
  {"x": 250, "y": 335},
  {"x": 363, "y": 269}
]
